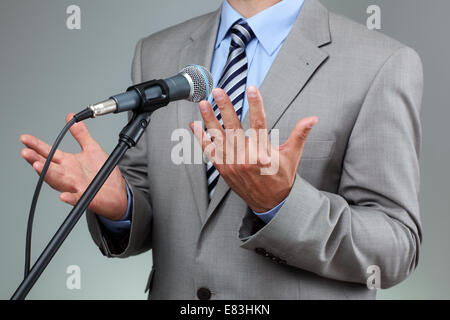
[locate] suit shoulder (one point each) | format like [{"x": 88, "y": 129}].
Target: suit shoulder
[{"x": 179, "y": 32}]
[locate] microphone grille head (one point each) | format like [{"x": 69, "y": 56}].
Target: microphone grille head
[{"x": 202, "y": 82}]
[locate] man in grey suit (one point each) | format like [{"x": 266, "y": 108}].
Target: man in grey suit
[{"x": 344, "y": 202}]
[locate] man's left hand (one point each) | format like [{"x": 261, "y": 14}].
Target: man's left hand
[{"x": 248, "y": 167}]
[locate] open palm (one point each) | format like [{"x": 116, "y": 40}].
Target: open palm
[{"x": 71, "y": 173}]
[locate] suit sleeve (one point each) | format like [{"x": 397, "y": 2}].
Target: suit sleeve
[
  {"x": 374, "y": 218},
  {"x": 134, "y": 169}
]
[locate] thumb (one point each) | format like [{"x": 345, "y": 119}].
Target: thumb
[
  {"x": 297, "y": 139},
  {"x": 68, "y": 198},
  {"x": 80, "y": 132}
]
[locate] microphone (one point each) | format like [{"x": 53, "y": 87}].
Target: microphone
[{"x": 193, "y": 83}]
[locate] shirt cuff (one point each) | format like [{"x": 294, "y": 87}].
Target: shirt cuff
[
  {"x": 123, "y": 225},
  {"x": 268, "y": 215}
]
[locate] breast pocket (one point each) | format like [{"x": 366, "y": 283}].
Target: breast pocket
[{"x": 318, "y": 149}]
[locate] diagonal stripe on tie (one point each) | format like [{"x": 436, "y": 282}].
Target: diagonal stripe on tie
[{"x": 233, "y": 82}]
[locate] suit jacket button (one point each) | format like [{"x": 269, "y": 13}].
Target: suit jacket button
[
  {"x": 260, "y": 251},
  {"x": 204, "y": 293}
]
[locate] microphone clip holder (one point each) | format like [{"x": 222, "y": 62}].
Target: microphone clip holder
[{"x": 150, "y": 105}]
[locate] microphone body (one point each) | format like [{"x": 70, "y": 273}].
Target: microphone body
[{"x": 193, "y": 83}]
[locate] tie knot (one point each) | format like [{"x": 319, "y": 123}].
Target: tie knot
[{"x": 241, "y": 34}]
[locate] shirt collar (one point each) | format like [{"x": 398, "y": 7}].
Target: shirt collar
[{"x": 271, "y": 26}]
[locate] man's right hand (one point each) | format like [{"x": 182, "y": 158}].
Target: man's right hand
[{"x": 71, "y": 174}]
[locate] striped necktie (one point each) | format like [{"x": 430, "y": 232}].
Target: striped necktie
[{"x": 233, "y": 82}]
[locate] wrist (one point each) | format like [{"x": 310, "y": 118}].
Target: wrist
[
  {"x": 271, "y": 203},
  {"x": 114, "y": 210}
]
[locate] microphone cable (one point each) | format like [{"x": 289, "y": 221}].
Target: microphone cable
[{"x": 82, "y": 115}]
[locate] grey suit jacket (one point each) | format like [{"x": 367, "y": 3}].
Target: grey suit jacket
[{"x": 354, "y": 203}]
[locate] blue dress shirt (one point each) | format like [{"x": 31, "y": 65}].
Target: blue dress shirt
[
  {"x": 123, "y": 225},
  {"x": 271, "y": 27}
]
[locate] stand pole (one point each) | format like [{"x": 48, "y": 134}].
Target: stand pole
[{"x": 129, "y": 137}]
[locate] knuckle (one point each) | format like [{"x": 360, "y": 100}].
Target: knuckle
[
  {"x": 264, "y": 161},
  {"x": 259, "y": 123},
  {"x": 244, "y": 167},
  {"x": 304, "y": 134}
]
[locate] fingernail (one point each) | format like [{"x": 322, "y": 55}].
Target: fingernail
[
  {"x": 312, "y": 122},
  {"x": 23, "y": 139},
  {"x": 203, "y": 107},
  {"x": 218, "y": 95},
  {"x": 252, "y": 92}
]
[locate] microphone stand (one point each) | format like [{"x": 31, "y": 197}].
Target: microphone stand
[{"x": 128, "y": 138}]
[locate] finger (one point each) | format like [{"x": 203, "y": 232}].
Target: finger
[
  {"x": 69, "y": 198},
  {"x": 55, "y": 177},
  {"x": 259, "y": 138},
  {"x": 297, "y": 139},
  {"x": 31, "y": 156},
  {"x": 203, "y": 139},
  {"x": 209, "y": 117},
  {"x": 256, "y": 109},
  {"x": 227, "y": 112},
  {"x": 80, "y": 132},
  {"x": 40, "y": 147}
]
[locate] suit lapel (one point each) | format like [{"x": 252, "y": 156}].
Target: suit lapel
[
  {"x": 296, "y": 62},
  {"x": 198, "y": 50}
]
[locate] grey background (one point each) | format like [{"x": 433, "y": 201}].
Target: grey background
[{"x": 47, "y": 71}]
